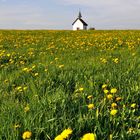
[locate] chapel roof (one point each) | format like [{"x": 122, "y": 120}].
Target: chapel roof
[{"x": 81, "y": 21}]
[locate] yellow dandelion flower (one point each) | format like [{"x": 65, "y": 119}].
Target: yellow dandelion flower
[
  {"x": 8, "y": 54},
  {"x": 103, "y": 60},
  {"x": 90, "y": 106},
  {"x": 61, "y": 66},
  {"x": 113, "y": 90},
  {"x": 22, "y": 62},
  {"x": 33, "y": 66},
  {"x": 25, "y": 69},
  {"x": 88, "y": 136},
  {"x": 118, "y": 99},
  {"x": 104, "y": 86},
  {"x": 26, "y": 135},
  {"x": 113, "y": 105},
  {"x": 56, "y": 58},
  {"x": 17, "y": 126},
  {"x": 18, "y": 88},
  {"x": 27, "y": 108},
  {"x": 25, "y": 88},
  {"x": 106, "y": 91},
  {"x": 133, "y": 105},
  {"x": 116, "y": 60},
  {"x": 81, "y": 89},
  {"x": 36, "y": 74},
  {"x": 65, "y": 134},
  {"x": 90, "y": 97},
  {"x": 109, "y": 96},
  {"x": 59, "y": 137},
  {"x": 130, "y": 130},
  {"x": 51, "y": 62},
  {"x": 11, "y": 61},
  {"x": 113, "y": 112}
]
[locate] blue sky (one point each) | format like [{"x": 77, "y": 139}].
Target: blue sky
[{"x": 59, "y": 14}]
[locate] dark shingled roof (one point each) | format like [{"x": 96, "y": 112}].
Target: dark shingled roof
[{"x": 81, "y": 21}]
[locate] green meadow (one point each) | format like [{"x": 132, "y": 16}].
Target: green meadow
[{"x": 76, "y": 82}]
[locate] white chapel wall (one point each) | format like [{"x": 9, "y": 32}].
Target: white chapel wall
[{"x": 78, "y": 24}]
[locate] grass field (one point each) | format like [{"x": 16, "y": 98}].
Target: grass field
[{"x": 72, "y": 82}]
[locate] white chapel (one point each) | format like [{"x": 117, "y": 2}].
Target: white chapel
[{"x": 79, "y": 23}]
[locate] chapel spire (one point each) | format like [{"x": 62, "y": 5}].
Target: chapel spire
[{"x": 80, "y": 15}]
